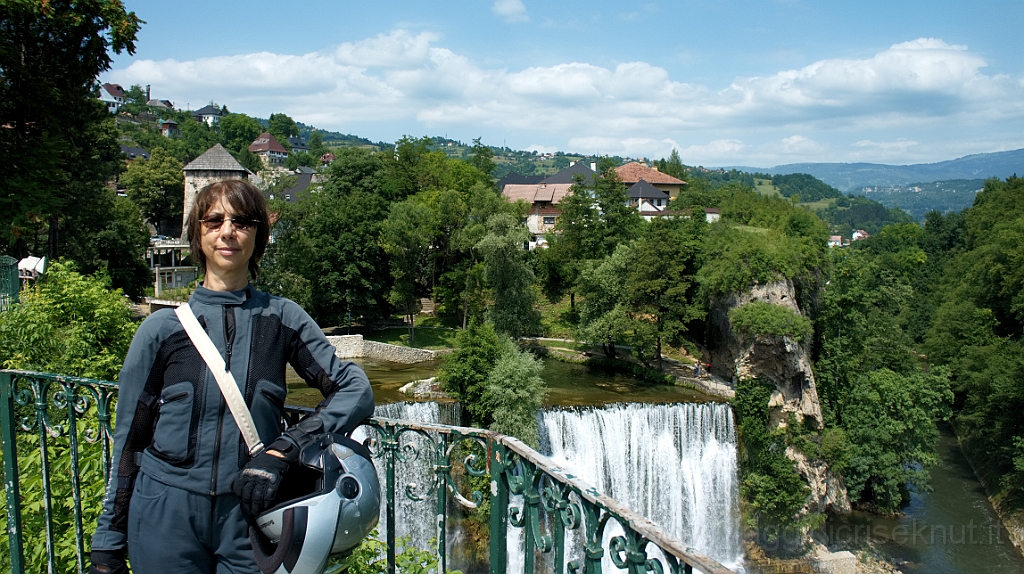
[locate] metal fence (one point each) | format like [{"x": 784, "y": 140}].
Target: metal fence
[
  {"x": 57, "y": 445},
  {"x": 9, "y": 283}
]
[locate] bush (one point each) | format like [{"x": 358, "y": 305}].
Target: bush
[{"x": 761, "y": 318}]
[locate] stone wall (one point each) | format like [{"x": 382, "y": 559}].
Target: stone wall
[{"x": 354, "y": 346}]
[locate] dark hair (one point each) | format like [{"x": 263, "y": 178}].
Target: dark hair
[{"x": 246, "y": 200}]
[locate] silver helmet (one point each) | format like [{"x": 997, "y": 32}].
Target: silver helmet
[{"x": 331, "y": 501}]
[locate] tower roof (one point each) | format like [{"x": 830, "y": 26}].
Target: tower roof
[{"x": 215, "y": 159}]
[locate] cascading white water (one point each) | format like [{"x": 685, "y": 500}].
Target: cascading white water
[
  {"x": 415, "y": 519},
  {"x": 675, "y": 464}
]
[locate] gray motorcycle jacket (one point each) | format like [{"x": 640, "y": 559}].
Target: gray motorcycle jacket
[{"x": 172, "y": 422}]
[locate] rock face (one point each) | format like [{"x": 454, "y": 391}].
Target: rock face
[{"x": 786, "y": 363}]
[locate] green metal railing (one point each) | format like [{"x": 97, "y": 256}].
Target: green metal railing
[
  {"x": 9, "y": 282},
  {"x": 57, "y": 440}
]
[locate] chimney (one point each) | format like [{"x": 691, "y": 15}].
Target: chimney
[
  {"x": 593, "y": 166},
  {"x": 572, "y": 163},
  {"x": 147, "y": 93}
]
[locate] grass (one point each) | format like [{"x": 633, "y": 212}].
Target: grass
[
  {"x": 819, "y": 205},
  {"x": 556, "y": 320},
  {"x": 765, "y": 187}
]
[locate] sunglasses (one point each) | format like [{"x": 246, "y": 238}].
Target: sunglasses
[{"x": 240, "y": 223}]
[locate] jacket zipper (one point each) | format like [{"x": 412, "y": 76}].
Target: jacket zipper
[{"x": 229, "y": 339}]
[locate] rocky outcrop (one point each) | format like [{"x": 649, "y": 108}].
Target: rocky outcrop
[{"x": 785, "y": 362}]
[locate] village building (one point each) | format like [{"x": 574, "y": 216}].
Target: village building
[
  {"x": 209, "y": 114},
  {"x": 112, "y": 95},
  {"x": 635, "y": 172},
  {"x": 298, "y": 144},
  {"x": 216, "y": 164},
  {"x": 269, "y": 150}
]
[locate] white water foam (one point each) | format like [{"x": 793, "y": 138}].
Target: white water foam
[{"x": 675, "y": 464}]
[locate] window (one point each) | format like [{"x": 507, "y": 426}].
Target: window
[{"x": 549, "y": 220}]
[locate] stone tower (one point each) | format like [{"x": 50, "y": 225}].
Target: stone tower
[{"x": 216, "y": 164}]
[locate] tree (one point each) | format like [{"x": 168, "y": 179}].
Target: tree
[
  {"x": 509, "y": 276},
  {"x": 59, "y": 153},
  {"x": 68, "y": 323},
  {"x": 515, "y": 392},
  {"x": 282, "y": 127},
  {"x": 464, "y": 372},
  {"x": 316, "y": 145},
  {"x": 890, "y": 421},
  {"x": 405, "y": 238},
  {"x": 238, "y": 131},
  {"x": 157, "y": 186},
  {"x": 483, "y": 157}
]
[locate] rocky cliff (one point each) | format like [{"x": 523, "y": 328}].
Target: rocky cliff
[{"x": 786, "y": 363}]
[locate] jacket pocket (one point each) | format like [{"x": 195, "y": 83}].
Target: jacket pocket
[{"x": 172, "y": 436}]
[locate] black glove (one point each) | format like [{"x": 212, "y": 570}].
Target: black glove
[
  {"x": 257, "y": 484},
  {"x": 107, "y": 562}
]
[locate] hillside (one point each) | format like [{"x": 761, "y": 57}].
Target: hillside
[{"x": 850, "y": 176}]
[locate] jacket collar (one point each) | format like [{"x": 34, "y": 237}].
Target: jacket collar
[{"x": 210, "y": 297}]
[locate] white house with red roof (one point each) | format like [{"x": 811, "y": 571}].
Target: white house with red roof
[
  {"x": 269, "y": 150},
  {"x": 634, "y": 172},
  {"x": 113, "y": 96}
]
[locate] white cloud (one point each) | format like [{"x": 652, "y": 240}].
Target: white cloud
[
  {"x": 631, "y": 109},
  {"x": 512, "y": 11}
]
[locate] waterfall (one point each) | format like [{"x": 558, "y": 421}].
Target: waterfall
[{"x": 675, "y": 464}]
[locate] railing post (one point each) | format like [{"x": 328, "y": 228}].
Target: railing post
[
  {"x": 390, "y": 447},
  {"x": 499, "y": 507},
  {"x": 11, "y": 489},
  {"x": 442, "y": 466}
]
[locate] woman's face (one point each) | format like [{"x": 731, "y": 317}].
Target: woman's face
[{"x": 227, "y": 248}]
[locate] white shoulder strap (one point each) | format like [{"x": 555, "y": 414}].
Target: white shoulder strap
[{"x": 225, "y": 380}]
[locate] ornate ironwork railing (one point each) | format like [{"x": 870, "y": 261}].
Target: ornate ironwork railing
[{"x": 56, "y": 451}]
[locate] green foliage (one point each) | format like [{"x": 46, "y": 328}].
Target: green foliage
[
  {"x": 808, "y": 187},
  {"x": 890, "y": 423},
  {"x": 737, "y": 258},
  {"x": 515, "y": 392},
  {"x": 509, "y": 275},
  {"x": 370, "y": 557},
  {"x": 862, "y": 213},
  {"x": 68, "y": 323},
  {"x": 464, "y": 372},
  {"x": 282, "y": 127},
  {"x": 766, "y": 319},
  {"x": 157, "y": 186},
  {"x": 498, "y": 384},
  {"x": 483, "y": 157},
  {"x": 74, "y": 325},
  {"x": 238, "y": 131},
  {"x": 770, "y": 484}
]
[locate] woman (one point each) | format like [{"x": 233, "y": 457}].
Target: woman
[{"x": 183, "y": 485}]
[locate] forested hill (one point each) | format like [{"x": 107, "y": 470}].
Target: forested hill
[{"x": 848, "y": 176}]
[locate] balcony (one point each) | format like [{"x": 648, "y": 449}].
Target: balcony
[{"x": 57, "y": 429}]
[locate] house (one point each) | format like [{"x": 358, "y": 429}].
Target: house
[
  {"x": 327, "y": 158},
  {"x": 209, "y": 114},
  {"x": 298, "y": 144},
  {"x": 835, "y": 240},
  {"x": 113, "y": 96},
  {"x": 134, "y": 153},
  {"x": 165, "y": 104},
  {"x": 269, "y": 150},
  {"x": 514, "y": 178},
  {"x": 543, "y": 199},
  {"x": 633, "y": 172},
  {"x": 641, "y": 193},
  {"x": 216, "y": 164},
  {"x": 171, "y": 265},
  {"x": 860, "y": 234},
  {"x": 169, "y": 128},
  {"x": 568, "y": 175}
]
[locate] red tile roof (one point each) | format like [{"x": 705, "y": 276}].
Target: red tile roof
[
  {"x": 635, "y": 171},
  {"x": 266, "y": 142}
]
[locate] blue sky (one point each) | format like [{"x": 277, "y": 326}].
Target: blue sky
[{"x": 726, "y": 82}]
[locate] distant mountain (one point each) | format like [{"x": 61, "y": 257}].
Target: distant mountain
[{"x": 851, "y": 176}]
